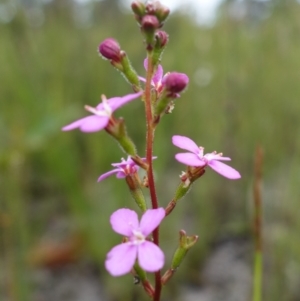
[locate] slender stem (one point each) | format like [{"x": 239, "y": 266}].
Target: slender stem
[
  {"x": 150, "y": 136},
  {"x": 149, "y": 152},
  {"x": 258, "y": 260},
  {"x": 257, "y": 279}
]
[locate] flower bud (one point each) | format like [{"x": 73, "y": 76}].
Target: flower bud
[
  {"x": 150, "y": 8},
  {"x": 161, "y": 12},
  {"x": 158, "y": 10},
  {"x": 185, "y": 243},
  {"x": 149, "y": 23},
  {"x": 138, "y": 8},
  {"x": 110, "y": 49},
  {"x": 162, "y": 39},
  {"x": 175, "y": 82},
  {"x": 172, "y": 83}
]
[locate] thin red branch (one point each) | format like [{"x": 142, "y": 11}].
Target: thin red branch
[{"x": 149, "y": 152}]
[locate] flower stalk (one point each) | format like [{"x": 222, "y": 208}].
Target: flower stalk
[
  {"x": 136, "y": 191},
  {"x": 257, "y": 227},
  {"x": 149, "y": 153}
]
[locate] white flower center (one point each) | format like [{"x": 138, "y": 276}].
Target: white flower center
[
  {"x": 138, "y": 237},
  {"x": 129, "y": 168},
  {"x": 200, "y": 154},
  {"x": 106, "y": 110},
  {"x": 210, "y": 156}
]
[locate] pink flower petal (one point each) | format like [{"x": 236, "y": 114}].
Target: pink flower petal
[
  {"x": 117, "y": 102},
  {"x": 157, "y": 77},
  {"x": 120, "y": 259},
  {"x": 185, "y": 143},
  {"x": 146, "y": 64},
  {"x": 107, "y": 174},
  {"x": 94, "y": 124},
  {"x": 223, "y": 158},
  {"x": 224, "y": 170},
  {"x": 142, "y": 79},
  {"x": 123, "y": 221},
  {"x": 88, "y": 124},
  {"x": 76, "y": 124},
  {"x": 123, "y": 164},
  {"x": 121, "y": 174},
  {"x": 189, "y": 159},
  {"x": 150, "y": 257},
  {"x": 214, "y": 156},
  {"x": 151, "y": 219},
  {"x": 100, "y": 107}
]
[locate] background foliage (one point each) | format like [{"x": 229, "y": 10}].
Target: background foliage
[{"x": 244, "y": 91}]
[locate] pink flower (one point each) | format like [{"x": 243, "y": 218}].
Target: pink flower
[
  {"x": 173, "y": 82},
  {"x": 196, "y": 158},
  {"x": 102, "y": 114},
  {"x": 121, "y": 258},
  {"x": 123, "y": 169},
  {"x": 157, "y": 78}
]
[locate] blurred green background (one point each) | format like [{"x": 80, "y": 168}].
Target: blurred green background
[{"x": 244, "y": 91}]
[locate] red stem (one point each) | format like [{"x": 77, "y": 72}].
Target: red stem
[{"x": 149, "y": 151}]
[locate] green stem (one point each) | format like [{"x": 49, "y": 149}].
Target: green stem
[
  {"x": 149, "y": 152},
  {"x": 257, "y": 223},
  {"x": 16, "y": 246},
  {"x": 257, "y": 278}
]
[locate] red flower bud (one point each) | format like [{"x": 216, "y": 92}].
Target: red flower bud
[
  {"x": 175, "y": 82},
  {"x": 162, "y": 39},
  {"x": 149, "y": 23},
  {"x": 110, "y": 49},
  {"x": 158, "y": 10}
]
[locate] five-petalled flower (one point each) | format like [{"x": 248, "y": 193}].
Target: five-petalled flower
[
  {"x": 102, "y": 114},
  {"x": 195, "y": 157},
  {"x": 121, "y": 258}
]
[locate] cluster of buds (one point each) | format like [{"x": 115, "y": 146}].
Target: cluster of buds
[
  {"x": 151, "y": 16},
  {"x": 139, "y": 251}
]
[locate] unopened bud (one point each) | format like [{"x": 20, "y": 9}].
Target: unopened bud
[
  {"x": 150, "y": 8},
  {"x": 110, "y": 49},
  {"x": 185, "y": 243},
  {"x": 161, "y": 12},
  {"x": 162, "y": 39},
  {"x": 172, "y": 84},
  {"x": 138, "y": 8},
  {"x": 149, "y": 23},
  {"x": 157, "y": 9},
  {"x": 175, "y": 82}
]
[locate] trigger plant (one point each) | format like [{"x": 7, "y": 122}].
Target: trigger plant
[{"x": 139, "y": 251}]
